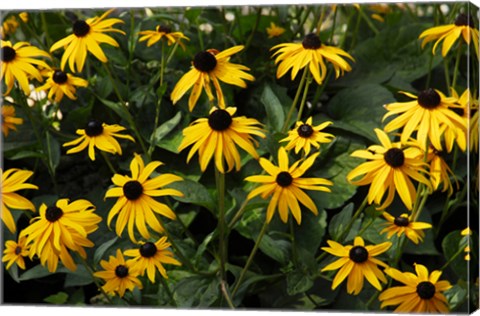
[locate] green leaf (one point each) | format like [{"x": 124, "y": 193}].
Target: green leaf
[
  {"x": 273, "y": 107},
  {"x": 453, "y": 245},
  {"x": 194, "y": 193},
  {"x": 36, "y": 272},
  {"x": 310, "y": 233},
  {"x": 298, "y": 282},
  {"x": 119, "y": 108},
  {"x": 197, "y": 291},
  {"x": 25, "y": 154},
  {"x": 59, "y": 298},
  {"x": 80, "y": 277},
  {"x": 339, "y": 223},
  {"x": 100, "y": 251},
  {"x": 276, "y": 248},
  {"x": 456, "y": 295},
  {"x": 53, "y": 151},
  {"x": 166, "y": 127}
]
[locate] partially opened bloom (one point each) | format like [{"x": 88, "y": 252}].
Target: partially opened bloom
[
  {"x": 60, "y": 83},
  {"x": 440, "y": 172},
  {"x": 150, "y": 257},
  {"x": 9, "y": 120},
  {"x": 87, "y": 36},
  {"x": 403, "y": 225},
  {"x": 274, "y": 30},
  {"x": 162, "y": 31},
  {"x": 18, "y": 63},
  {"x": 218, "y": 137},
  {"x": 390, "y": 167},
  {"x": 119, "y": 274},
  {"x": 15, "y": 252},
  {"x": 421, "y": 293},
  {"x": 210, "y": 67},
  {"x": 136, "y": 205},
  {"x": 99, "y": 135},
  {"x": 357, "y": 262},
  {"x": 305, "y": 135},
  {"x": 311, "y": 53},
  {"x": 13, "y": 180},
  {"x": 463, "y": 25},
  {"x": 285, "y": 185}
]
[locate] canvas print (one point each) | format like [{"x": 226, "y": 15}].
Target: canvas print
[{"x": 319, "y": 157}]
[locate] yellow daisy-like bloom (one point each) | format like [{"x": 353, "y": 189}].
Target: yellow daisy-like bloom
[
  {"x": 18, "y": 62},
  {"x": 474, "y": 132},
  {"x": 208, "y": 67},
  {"x": 440, "y": 172},
  {"x": 311, "y": 52},
  {"x": 274, "y": 30},
  {"x": 217, "y": 137},
  {"x": 403, "y": 225},
  {"x": 14, "y": 180},
  {"x": 15, "y": 252},
  {"x": 9, "y": 26},
  {"x": 162, "y": 31},
  {"x": 467, "y": 109},
  {"x": 119, "y": 275},
  {"x": 285, "y": 183},
  {"x": 86, "y": 37},
  {"x": 98, "y": 135},
  {"x": 9, "y": 120},
  {"x": 151, "y": 256},
  {"x": 59, "y": 228},
  {"x": 357, "y": 262},
  {"x": 305, "y": 135},
  {"x": 422, "y": 293},
  {"x": 389, "y": 168},
  {"x": 60, "y": 83},
  {"x": 425, "y": 114},
  {"x": 463, "y": 26},
  {"x": 136, "y": 204}
]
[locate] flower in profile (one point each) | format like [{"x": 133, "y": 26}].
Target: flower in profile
[
  {"x": 86, "y": 37},
  {"x": 425, "y": 114},
  {"x": 14, "y": 252},
  {"x": 208, "y": 67},
  {"x": 162, "y": 31},
  {"x": 9, "y": 120},
  {"x": 285, "y": 183},
  {"x": 305, "y": 135},
  {"x": 311, "y": 52},
  {"x": 60, "y": 83},
  {"x": 150, "y": 257},
  {"x": 440, "y": 172},
  {"x": 467, "y": 109},
  {"x": 59, "y": 228},
  {"x": 390, "y": 167},
  {"x": 474, "y": 132},
  {"x": 422, "y": 293},
  {"x": 9, "y": 26},
  {"x": 18, "y": 62},
  {"x": 463, "y": 25},
  {"x": 136, "y": 204},
  {"x": 274, "y": 30},
  {"x": 119, "y": 275},
  {"x": 357, "y": 262},
  {"x": 403, "y": 225},
  {"x": 100, "y": 135},
  {"x": 13, "y": 180},
  {"x": 217, "y": 137}
]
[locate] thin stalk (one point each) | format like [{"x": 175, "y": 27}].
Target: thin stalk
[
  {"x": 367, "y": 19},
  {"x": 320, "y": 20},
  {"x": 90, "y": 271},
  {"x": 294, "y": 244},
  {"x": 295, "y": 100},
  {"x": 447, "y": 72},
  {"x": 457, "y": 63},
  {"x": 114, "y": 85},
  {"x": 167, "y": 289},
  {"x": 107, "y": 160},
  {"x": 159, "y": 103},
  {"x": 305, "y": 93},
  {"x": 238, "y": 215},
  {"x": 45, "y": 29},
  {"x": 220, "y": 183},
  {"x": 254, "y": 29},
  {"x": 355, "y": 33},
  {"x": 429, "y": 76},
  {"x": 459, "y": 251},
  {"x": 226, "y": 295},
  {"x": 334, "y": 23},
  {"x": 354, "y": 217}
]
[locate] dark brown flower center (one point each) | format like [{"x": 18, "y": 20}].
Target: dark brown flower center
[
  {"x": 132, "y": 190},
  {"x": 94, "y": 128},
  {"x": 426, "y": 290},
  {"x": 53, "y": 213},
  {"x": 305, "y": 131},
  {"x": 80, "y": 28},
  {"x": 204, "y": 61},
  {"x": 18, "y": 250},
  {"x": 311, "y": 41},
  {"x": 219, "y": 120},
  {"x": 358, "y": 254},
  {"x": 8, "y": 54},
  {"x": 121, "y": 271},
  {"x": 464, "y": 20},
  {"x": 394, "y": 157},
  {"x": 148, "y": 249},
  {"x": 284, "y": 179},
  {"x": 164, "y": 29},
  {"x": 401, "y": 221},
  {"x": 59, "y": 77},
  {"x": 429, "y": 99}
]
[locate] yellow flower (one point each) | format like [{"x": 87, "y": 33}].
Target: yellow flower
[
  {"x": 61, "y": 83},
  {"x": 86, "y": 37},
  {"x": 440, "y": 172},
  {"x": 403, "y": 225},
  {"x": 467, "y": 109},
  {"x": 14, "y": 180},
  {"x": 311, "y": 52},
  {"x": 162, "y": 31},
  {"x": 422, "y": 293},
  {"x": 285, "y": 183},
  {"x": 274, "y": 30},
  {"x": 305, "y": 135},
  {"x": 357, "y": 262},
  {"x": 98, "y": 135},
  {"x": 9, "y": 26},
  {"x": 14, "y": 253},
  {"x": 217, "y": 137},
  {"x": 9, "y": 120},
  {"x": 208, "y": 67},
  {"x": 17, "y": 63},
  {"x": 467, "y": 232},
  {"x": 463, "y": 25}
]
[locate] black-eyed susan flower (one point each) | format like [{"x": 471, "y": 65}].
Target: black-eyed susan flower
[
  {"x": 285, "y": 184},
  {"x": 99, "y": 135},
  {"x": 357, "y": 262},
  {"x": 274, "y": 30},
  {"x": 440, "y": 172},
  {"x": 210, "y": 67},
  {"x": 119, "y": 274},
  {"x": 422, "y": 293},
  {"x": 136, "y": 205},
  {"x": 60, "y": 83},
  {"x": 463, "y": 25},
  {"x": 150, "y": 257},
  {"x": 305, "y": 135},
  {"x": 61, "y": 228},
  {"x": 13, "y": 180},
  {"x": 403, "y": 225},
  {"x": 390, "y": 167},
  {"x": 310, "y": 52},
  {"x": 162, "y": 31},
  {"x": 9, "y": 120},
  {"x": 87, "y": 36},
  {"x": 15, "y": 252},
  {"x": 218, "y": 137},
  {"x": 18, "y": 63},
  {"x": 467, "y": 109}
]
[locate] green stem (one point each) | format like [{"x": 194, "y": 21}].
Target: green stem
[
  {"x": 295, "y": 101},
  {"x": 254, "y": 29},
  {"x": 294, "y": 245},
  {"x": 355, "y": 33},
  {"x": 333, "y": 25},
  {"x": 167, "y": 289},
  {"x": 318, "y": 24},
  {"x": 447, "y": 72},
  {"x": 107, "y": 160},
  {"x": 220, "y": 183},
  {"x": 368, "y": 20},
  {"x": 429, "y": 76},
  {"x": 238, "y": 215},
  {"x": 226, "y": 295},
  {"x": 457, "y": 63},
  {"x": 97, "y": 284},
  {"x": 114, "y": 84},
  {"x": 305, "y": 93},
  {"x": 459, "y": 251}
]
